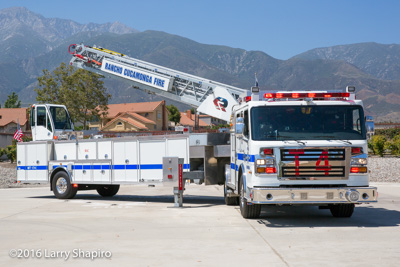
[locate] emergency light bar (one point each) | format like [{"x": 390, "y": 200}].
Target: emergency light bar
[
  {"x": 349, "y": 94},
  {"x": 304, "y": 95},
  {"x": 247, "y": 98}
]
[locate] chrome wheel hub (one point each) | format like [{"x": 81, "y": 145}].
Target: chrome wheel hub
[{"x": 61, "y": 185}]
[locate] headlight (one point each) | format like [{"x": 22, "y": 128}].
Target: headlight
[
  {"x": 265, "y": 161},
  {"x": 358, "y": 161},
  {"x": 260, "y": 162}
]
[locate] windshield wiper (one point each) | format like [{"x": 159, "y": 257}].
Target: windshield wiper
[
  {"x": 300, "y": 142},
  {"x": 344, "y": 141}
]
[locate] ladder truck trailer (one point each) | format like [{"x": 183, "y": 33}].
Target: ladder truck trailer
[{"x": 284, "y": 147}]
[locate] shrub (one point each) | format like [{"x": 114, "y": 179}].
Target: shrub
[
  {"x": 371, "y": 146},
  {"x": 378, "y": 144},
  {"x": 11, "y": 152},
  {"x": 394, "y": 145}
]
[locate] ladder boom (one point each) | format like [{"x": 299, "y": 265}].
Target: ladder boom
[{"x": 176, "y": 85}]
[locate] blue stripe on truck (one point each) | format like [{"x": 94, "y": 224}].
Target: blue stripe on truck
[
  {"x": 103, "y": 167},
  {"x": 35, "y": 167},
  {"x": 245, "y": 157}
]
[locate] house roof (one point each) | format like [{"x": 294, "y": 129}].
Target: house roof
[
  {"x": 189, "y": 121},
  {"x": 132, "y": 122},
  {"x": 137, "y": 124},
  {"x": 141, "y": 118},
  {"x": 114, "y": 109},
  {"x": 8, "y": 115},
  {"x": 131, "y": 118}
]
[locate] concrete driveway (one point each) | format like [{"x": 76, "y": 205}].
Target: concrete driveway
[{"x": 138, "y": 227}]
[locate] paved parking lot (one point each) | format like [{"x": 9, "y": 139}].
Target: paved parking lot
[{"x": 138, "y": 227}]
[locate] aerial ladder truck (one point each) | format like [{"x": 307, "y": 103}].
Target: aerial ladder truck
[{"x": 284, "y": 147}]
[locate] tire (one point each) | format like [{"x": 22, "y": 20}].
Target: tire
[
  {"x": 342, "y": 210},
  {"x": 62, "y": 187},
  {"x": 230, "y": 201},
  {"x": 108, "y": 190},
  {"x": 248, "y": 211}
]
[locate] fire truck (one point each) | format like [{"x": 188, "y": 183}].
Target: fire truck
[
  {"x": 284, "y": 147},
  {"x": 299, "y": 148}
]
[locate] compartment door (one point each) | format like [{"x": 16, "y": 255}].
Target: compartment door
[
  {"x": 36, "y": 162},
  {"x": 101, "y": 172},
  {"x": 82, "y": 172},
  {"x": 151, "y": 154},
  {"x": 132, "y": 163},
  {"x": 125, "y": 168}
]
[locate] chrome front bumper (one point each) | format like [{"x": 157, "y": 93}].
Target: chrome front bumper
[{"x": 312, "y": 195}]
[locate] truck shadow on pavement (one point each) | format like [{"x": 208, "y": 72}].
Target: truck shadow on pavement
[
  {"x": 367, "y": 216},
  {"x": 199, "y": 201}
]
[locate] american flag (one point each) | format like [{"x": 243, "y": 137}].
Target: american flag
[{"x": 18, "y": 134}]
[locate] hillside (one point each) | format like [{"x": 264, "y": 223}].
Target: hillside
[
  {"x": 380, "y": 60},
  {"x": 26, "y": 34}
]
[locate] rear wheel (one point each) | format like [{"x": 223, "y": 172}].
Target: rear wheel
[
  {"x": 342, "y": 210},
  {"x": 108, "y": 190},
  {"x": 248, "y": 211},
  {"x": 62, "y": 187},
  {"x": 230, "y": 201}
]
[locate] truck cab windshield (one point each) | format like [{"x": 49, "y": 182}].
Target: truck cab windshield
[
  {"x": 61, "y": 118},
  {"x": 307, "y": 123}
]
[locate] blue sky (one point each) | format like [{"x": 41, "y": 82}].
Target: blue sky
[{"x": 280, "y": 28}]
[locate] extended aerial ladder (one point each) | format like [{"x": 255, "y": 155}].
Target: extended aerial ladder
[{"x": 210, "y": 97}]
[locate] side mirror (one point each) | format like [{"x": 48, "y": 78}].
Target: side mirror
[
  {"x": 370, "y": 126},
  {"x": 239, "y": 127}
]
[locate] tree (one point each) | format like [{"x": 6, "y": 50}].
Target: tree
[
  {"x": 174, "y": 114},
  {"x": 81, "y": 91},
  {"x": 12, "y": 101}
]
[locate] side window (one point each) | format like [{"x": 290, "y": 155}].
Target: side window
[
  {"x": 356, "y": 121},
  {"x": 41, "y": 116},
  {"x": 32, "y": 117},
  {"x": 246, "y": 124}
]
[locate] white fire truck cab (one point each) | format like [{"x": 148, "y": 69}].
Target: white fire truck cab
[
  {"x": 299, "y": 148},
  {"x": 50, "y": 121}
]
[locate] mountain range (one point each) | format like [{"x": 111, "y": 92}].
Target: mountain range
[{"x": 30, "y": 43}]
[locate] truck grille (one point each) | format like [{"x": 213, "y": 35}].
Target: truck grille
[
  {"x": 313, "y": 172},
  {"x": 313, "y": 163},
  {"x": 312, "y": 154}
]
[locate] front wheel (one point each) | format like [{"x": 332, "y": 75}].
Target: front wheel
[
  {"x": 62, "y": 187},
  {"x": 342, "y": 210},
  {"x": 108, "y": 190},
  {"x": 248, "y": 211}
]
